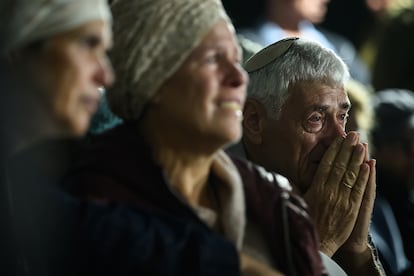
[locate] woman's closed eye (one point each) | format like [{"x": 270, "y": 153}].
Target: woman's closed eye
[
  {"x": 211, "y": 58},
  {"x": 90, "y": 41}
]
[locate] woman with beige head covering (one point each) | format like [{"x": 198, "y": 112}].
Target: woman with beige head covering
[{"x": 180, "y": 91}]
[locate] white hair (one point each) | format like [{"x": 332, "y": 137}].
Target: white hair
[{"x": 304, "y": 61}]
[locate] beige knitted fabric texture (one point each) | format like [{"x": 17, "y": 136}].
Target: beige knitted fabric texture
[{"x": 152, "y": 39}]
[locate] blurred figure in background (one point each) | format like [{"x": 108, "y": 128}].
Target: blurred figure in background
[
  {"x": 248, "y": 47},
  {"x": 382, "y": 11},
  {"x": 280, "y": 19},
  {"x": 384, "y": 228},
  {"x": 361, "y": 114},
  {"x": 365, "y": 29},
  {"x": 55, "y": 55},
  {"x": 393, "y": 140},
  {"x": 393, "y": 63}
]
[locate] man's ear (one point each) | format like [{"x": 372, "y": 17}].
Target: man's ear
[{"x": 254, "y": 115}]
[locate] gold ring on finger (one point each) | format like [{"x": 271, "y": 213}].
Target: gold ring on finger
[{"x": 347, "y": 185}]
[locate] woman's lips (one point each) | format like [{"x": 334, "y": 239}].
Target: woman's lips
[{"x": 232, "y": 105}]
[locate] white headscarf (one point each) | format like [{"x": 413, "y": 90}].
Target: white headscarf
[{"x": 26, "y": 21}]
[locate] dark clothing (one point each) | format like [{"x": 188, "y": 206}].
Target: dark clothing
[
  {"x": 387, "y": 238},
  {"x": 58, "y": 234},
  {"x": 394, "y": 191},
  {"x": 392, "y": 64},
  {"x": 117, "y": 166}
]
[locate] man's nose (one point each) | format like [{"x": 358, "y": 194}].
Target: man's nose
[{"x": 333, "y": 131}]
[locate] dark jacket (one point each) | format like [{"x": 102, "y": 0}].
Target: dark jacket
[
  {"x": 393, "y": 189},
  {"x": 58, "y": 234},
  {"x": 117, "y": 166},
  {"x": 387, "y": 238}
]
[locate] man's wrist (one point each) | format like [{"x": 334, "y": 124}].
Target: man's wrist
[
  {"x": 328, "y": 248},
  {"x": 359, "y": 262}
]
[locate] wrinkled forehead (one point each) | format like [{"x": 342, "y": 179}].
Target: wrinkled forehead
[
  {"x": 316, "y": 86},
  {"x": 314, "y": 93},
  {"x": 318, "y": 83}
]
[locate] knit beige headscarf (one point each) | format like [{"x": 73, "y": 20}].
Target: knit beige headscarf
[
  {"x": 26, "y": 21},
  {"x": 152, "y": 39}
]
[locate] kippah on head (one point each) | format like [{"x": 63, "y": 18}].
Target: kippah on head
[
  {"x": 287, "y": 62},
  {"x": 268, "y": 54},
  {"x": 152, "y": 39},
  {"x": 27, "y": 21}
]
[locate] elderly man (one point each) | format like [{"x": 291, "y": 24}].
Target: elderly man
[{"x": 294, "y": 124}]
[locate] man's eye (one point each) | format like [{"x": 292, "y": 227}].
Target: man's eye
[
  {"x": 314, "y": 123},
  {"x": 344, "y": 117},
  {"x": 315, "y": 118}
]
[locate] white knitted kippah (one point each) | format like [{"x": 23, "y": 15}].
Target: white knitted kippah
[
  {"x": 152, "y": 39},
  {"x": 26, "y": 21}
]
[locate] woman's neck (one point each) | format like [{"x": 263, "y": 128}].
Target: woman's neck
[
  {"x": 187, "y": 174},
  {"x": 186, "y": 164}
]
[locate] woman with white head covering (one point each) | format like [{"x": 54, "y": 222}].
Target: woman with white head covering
[
  {"x": 58, "y": 49},
  {"x": 180, "y": 91},
  {"x": 56, "y": 52},
  {"x": 53, "y": 57}
]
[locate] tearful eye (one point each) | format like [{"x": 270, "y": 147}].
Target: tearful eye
[
  {"x": 344, "y": 117},
  {"x": 314, "y": 122},
  {"x": 315, "y": 118}
]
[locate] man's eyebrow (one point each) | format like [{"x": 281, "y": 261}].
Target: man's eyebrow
[
  {"x": 320, "y": 108},
  {"x": 323, "y": 108}
]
